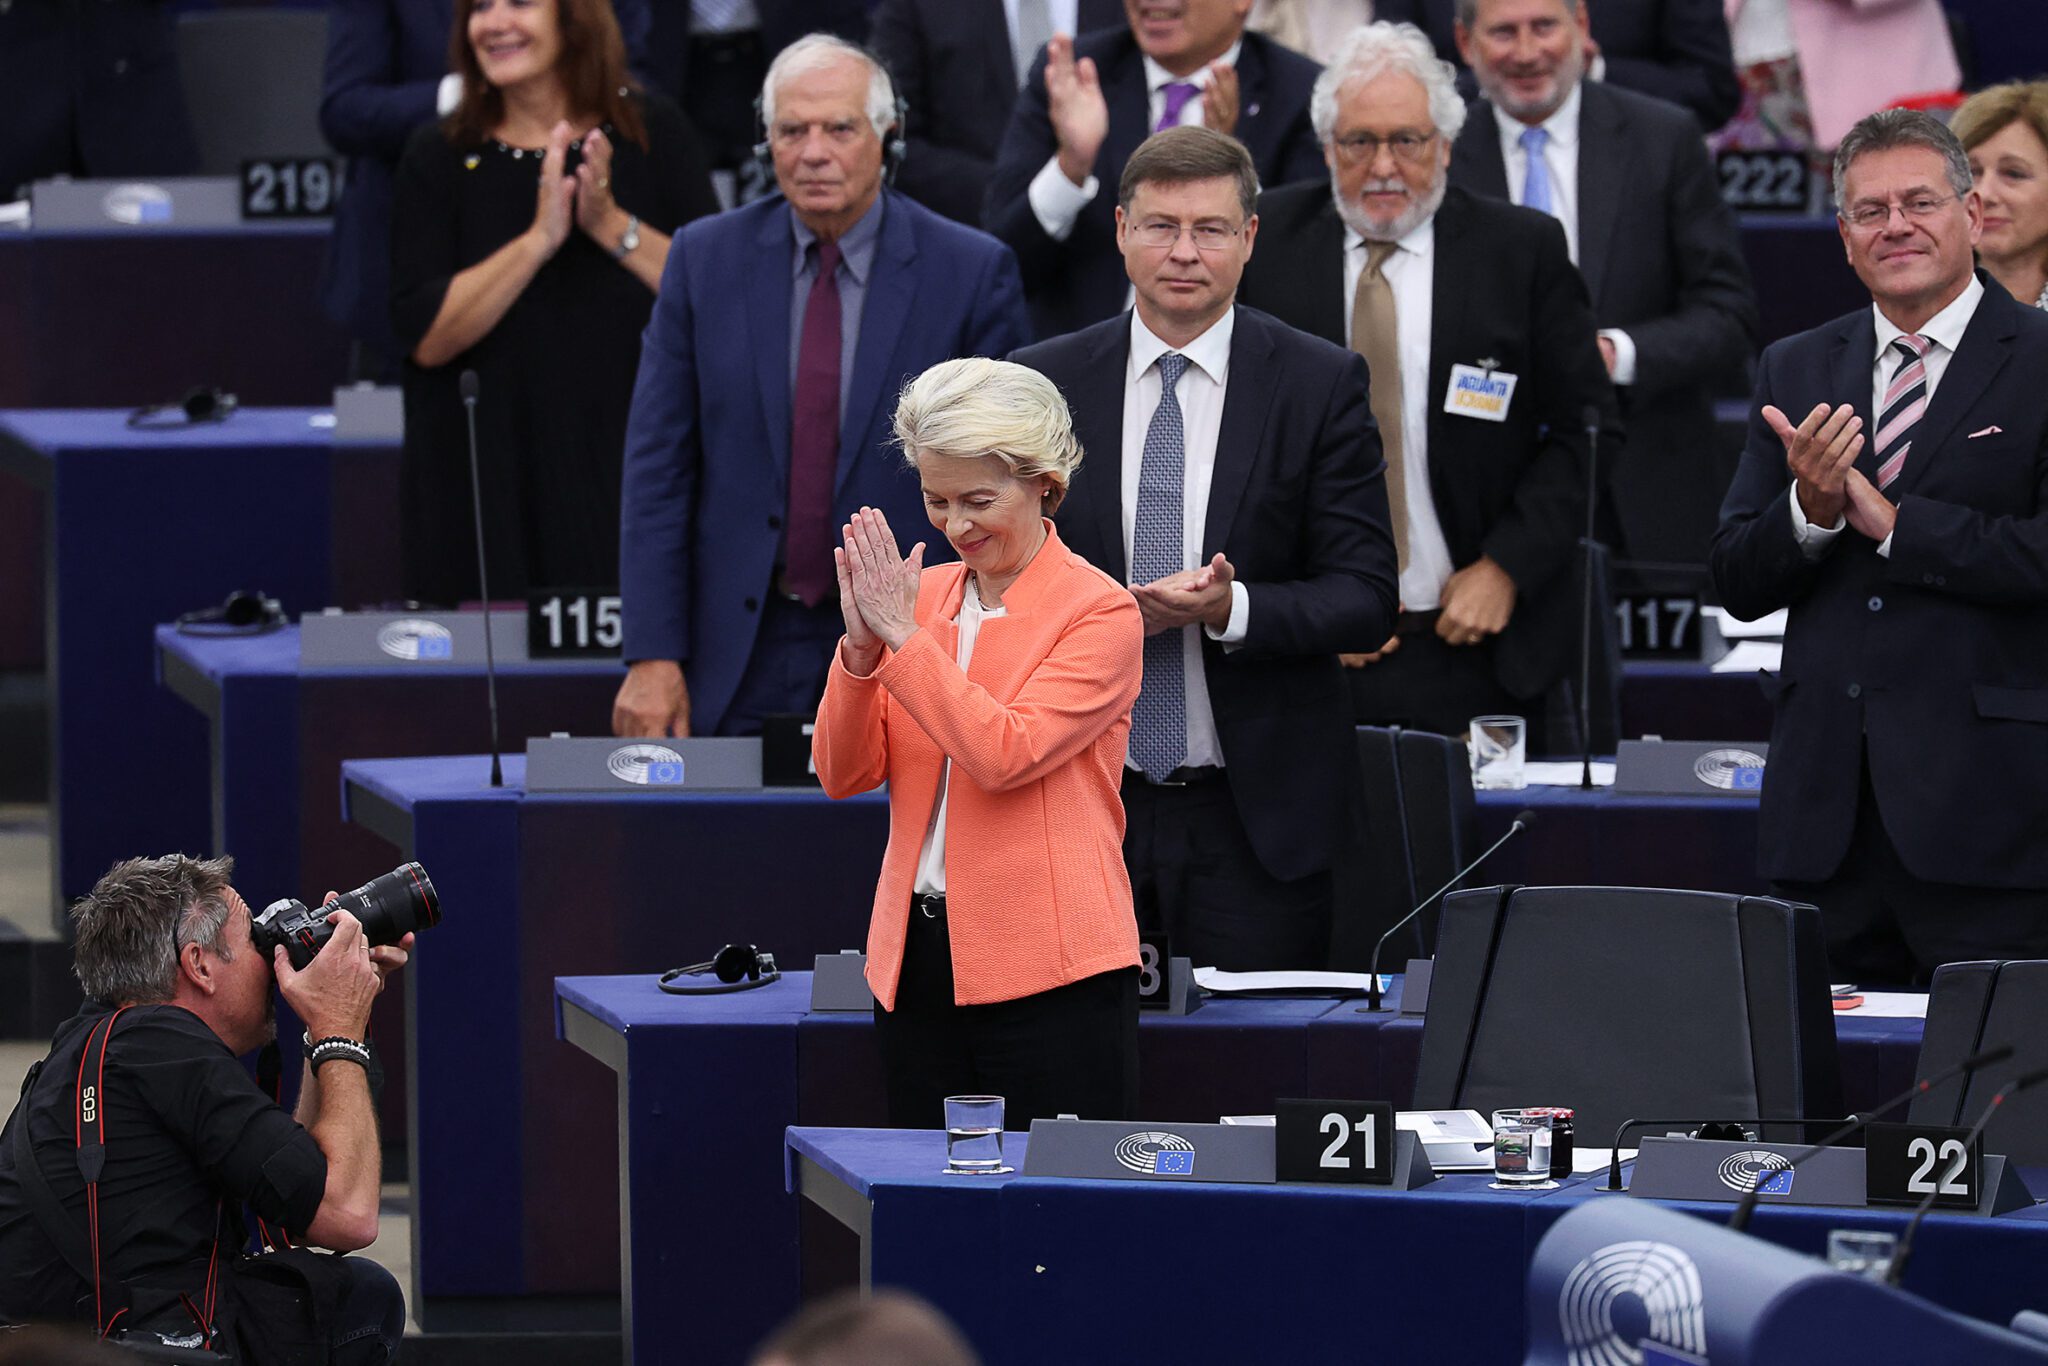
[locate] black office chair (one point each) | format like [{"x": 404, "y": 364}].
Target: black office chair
[
  {"x": 1629, "y": 1002},
  {"x": 1973, "y": 1006},
  {"x": 1414, "y": 823}
]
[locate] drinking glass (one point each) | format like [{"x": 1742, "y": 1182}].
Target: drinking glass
[
  {"x": 1521, "y": 1150},
  {"x": 1500, "y": 753},
  {"x": 974, "y": 1135}
]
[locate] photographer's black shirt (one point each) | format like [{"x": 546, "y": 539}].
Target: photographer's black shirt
[{"x": 189, "y": 1139}]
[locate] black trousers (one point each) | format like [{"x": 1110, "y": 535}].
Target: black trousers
[
  {"x": 1886, "y": 927},
  {"x": 1071, "y": 1050},
  {"x": 1196, "y": 876}
]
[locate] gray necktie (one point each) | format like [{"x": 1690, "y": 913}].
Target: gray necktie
[{"x": 1159, "y": 718}]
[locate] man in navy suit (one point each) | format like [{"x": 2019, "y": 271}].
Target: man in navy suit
[
  {"x": 760, "y": 422},
  {"x": 1086, "y": 105},
  {"x": 1234, "y": 479},
  {"x": 1894, "y": 496}
]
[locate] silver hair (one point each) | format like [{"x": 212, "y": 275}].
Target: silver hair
[
  {"x": 1888, "y": 129},
  {"x": 1468, "y": 10},
  {"x": 974, "y": 407},
  {"x": 1370, "y": 51},
  {"x": 815, "y": 50},
  {"x": 130, "y": 928}
]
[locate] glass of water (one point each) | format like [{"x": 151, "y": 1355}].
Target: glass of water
[
  {"x": 1500, "y": 753},
  {"x": 1521, "y": 1151},
  {"x": 1865, "y": 1252},
  {"x": 974, "y": 1136}
]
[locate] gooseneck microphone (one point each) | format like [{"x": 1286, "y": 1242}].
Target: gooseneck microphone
[
  {"x": 1744, "y": 1209},
  {"x": 1897, "y": 1272},
  {"x": 1523, "y": 820},
  {"x": 1591, "y": 417},
  {"x": 468, "y": 385}
]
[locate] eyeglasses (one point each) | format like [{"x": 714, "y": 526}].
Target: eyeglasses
[
  {"x": 1407, "y": 145},
  {"x": 1871, "y": 214},
  {"x": 1162, "y": 234}
]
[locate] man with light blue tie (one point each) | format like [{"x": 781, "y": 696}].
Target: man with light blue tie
[
  {"x": 1627, "y": 177},
  {"x": 1235, "y": 480},
  {"x": 1086, "y": 105}
]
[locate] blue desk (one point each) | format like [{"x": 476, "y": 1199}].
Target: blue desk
[
  {"x": 142, "y": 526},
  {"x": 1607, "y": 839},
  {"x": 770, "y": 1063},
  {"x": 1039, "y": 1269},
  {"x": 512, "y": 1143},
  {"x": 277, "y": 736}
]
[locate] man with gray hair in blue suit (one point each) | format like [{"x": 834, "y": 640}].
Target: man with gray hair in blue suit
[{"x": 760, "y": 419}]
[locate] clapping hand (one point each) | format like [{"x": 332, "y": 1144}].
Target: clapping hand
[
  {"x": 1200, "y": 596},
  {"x": 1219, "y": 98},
  {"x": 554, "y": 209},
  {"x": 1820, "y": 452},
  {"x": 877, "y": 585},
  {"x": 1075, "y": 107},
  {"x": 596, "y": 210}
]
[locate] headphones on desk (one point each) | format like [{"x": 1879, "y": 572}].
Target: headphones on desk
[
  {"x": 738, "y": 967},
  {"x": 894, "y": 148},
  {"x": 243, "y": 614},
  {"x": 196, "y": 407}
]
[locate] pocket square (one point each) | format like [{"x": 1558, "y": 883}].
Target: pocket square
[{"x": 1993, "y": 430}]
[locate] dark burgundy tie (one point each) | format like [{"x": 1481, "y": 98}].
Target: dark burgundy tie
[{"x": 814, "y": 439}]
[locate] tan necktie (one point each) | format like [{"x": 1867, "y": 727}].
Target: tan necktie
[{"x": 1375, "y": 336}]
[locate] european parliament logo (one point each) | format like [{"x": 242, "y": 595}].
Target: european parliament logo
[
  {"x": 646, "y": 765},
  {"x": 1152, "y": 1153},
  {"x": 416, "y": 638}
]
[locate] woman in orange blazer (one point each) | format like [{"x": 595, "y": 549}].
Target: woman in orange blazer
[{"x": 994, "y": 697}]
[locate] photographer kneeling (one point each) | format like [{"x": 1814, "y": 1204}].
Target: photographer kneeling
[{"x": 176, "y": 991}]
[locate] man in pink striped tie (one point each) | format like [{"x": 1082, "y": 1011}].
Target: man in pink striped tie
[{"x": 1893, "y": 496}]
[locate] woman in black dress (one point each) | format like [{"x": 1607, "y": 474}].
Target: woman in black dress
[{"x": 530, "y": 228}]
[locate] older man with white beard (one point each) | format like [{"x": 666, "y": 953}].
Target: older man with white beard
[{"x": 1483, "y": 356}]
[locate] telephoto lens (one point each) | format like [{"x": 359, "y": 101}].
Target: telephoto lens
[{"x": 389, "y": 908}]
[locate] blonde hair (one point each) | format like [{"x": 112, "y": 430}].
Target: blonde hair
[
  {"x": 1990, "y": 110},
  {"x": 975, "y": 407}
]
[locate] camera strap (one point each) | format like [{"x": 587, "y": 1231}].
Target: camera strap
[{"x": 111, "y": 1299}]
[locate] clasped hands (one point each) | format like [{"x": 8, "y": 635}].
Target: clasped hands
[
  {"x": 584, "y": 200},
  {"x": 877, "y": 589},
  {"x": 1821, "y": 454},
  {"x": 1080, "y": 115}
]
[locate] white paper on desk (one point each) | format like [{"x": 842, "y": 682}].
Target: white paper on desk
[
  {"x": 1894, "y": 1005},
  {"x": 1286, "y": 983},
  {"x": 1751, "y": 655},
  {"x": 1596, "y": 1159},
  {"x": 1566, "y": 772},
  {"x": 1735, "y": 628}
]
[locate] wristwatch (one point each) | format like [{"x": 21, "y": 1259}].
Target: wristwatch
[{"x": 629, "y": 241}]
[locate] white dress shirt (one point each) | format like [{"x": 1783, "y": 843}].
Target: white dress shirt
[
  {"x": 1561, "y": 159},
  {"x": 1410, "y": 271},
  {"x": 1200, "y": 391},
  {"x": 1945, "y": 329},
  {"x": 1057, "y": 201},
  {"x": 931, "y": 860}
]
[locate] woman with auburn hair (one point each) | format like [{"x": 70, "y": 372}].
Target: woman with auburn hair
[
  {"x": 2004, "y": 129},
  {"x": 530, "y": 228},
  {"x": 993, "y": 696}
]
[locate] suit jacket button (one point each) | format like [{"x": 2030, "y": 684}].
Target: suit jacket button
[
  {"x": 753, "y": 604},
  {"x": 1877, "y": 604},
  {"x": 1941, "y": 580},
  {"x": 1855, "y": 690}
]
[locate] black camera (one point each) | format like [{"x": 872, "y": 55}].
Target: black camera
[{"x": 390, "y": 907}]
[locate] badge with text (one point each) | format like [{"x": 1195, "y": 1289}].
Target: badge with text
[
  {"x": 1155, "y": 956},
  {"x": 1770, "y": 181},
  {"x": 1349, "y": 1142},
  {"x": 1658, "y": 625},
  {"x": 291, "y": 187},
  {"x": 1479, "y": 391},
  {"x": 1903, "y": 1164},
  {"x": 572, "y": 623}
]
